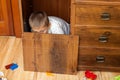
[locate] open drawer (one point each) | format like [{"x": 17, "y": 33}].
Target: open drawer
[{"x": 50, "y": 52}]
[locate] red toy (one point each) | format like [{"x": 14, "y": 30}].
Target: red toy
[
  {"x": 90, "y": 75},
  {"x": 8, "y": 66},
  {"x": 11, "y": 66}
]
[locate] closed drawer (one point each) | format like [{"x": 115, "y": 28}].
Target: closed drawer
[
  {"x": 99, "y": 0},
  {"x": 98, "y": 36},
  {"x": 97, "y": 15},
  {"x": 99, "y": 57}
]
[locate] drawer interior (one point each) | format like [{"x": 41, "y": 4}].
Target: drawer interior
[{"x": 52, "y": 8}]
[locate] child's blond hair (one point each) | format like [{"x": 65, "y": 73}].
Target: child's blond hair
[{"x": 38, "y": 19}]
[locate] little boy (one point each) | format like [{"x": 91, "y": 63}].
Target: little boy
[{"x": 40, "y": 22}]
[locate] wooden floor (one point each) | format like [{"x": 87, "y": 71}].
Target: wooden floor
[{"x": 11, "y": 51}]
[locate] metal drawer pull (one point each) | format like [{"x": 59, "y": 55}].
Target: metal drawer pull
[
  {"x": 104, "y": 37},
  {"x": 105, "y": 16},
  {"x": 100, "y": 59}
]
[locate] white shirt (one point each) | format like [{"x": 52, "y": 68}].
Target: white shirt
[{"x": 58, "y": 26}]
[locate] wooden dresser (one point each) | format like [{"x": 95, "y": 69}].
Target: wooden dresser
[{"x": 97, "y": 22}]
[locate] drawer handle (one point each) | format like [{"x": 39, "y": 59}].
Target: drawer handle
[
  {"x": 104, "y": 37},
  {"x": 100, "y": 59},
  {"x": 105, "y": 16}
]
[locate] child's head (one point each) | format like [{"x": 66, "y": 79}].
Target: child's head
[{"x": 39, "y": 22}]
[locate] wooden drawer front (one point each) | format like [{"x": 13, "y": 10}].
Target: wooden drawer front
[
  {"x": 99, "y": 57},
  {"x": 50, "y": 53},
  {"x": 98, "y": 36},
  {"x": 97, "y": 15},
  {"x": 99, "y": 0}
]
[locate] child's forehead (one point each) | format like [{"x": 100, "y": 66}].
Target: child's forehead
[{"x": 36, "y": 27}]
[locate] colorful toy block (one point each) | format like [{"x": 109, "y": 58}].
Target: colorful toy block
[
  {"x": 12, "y": 66},
  {"x": 8, "y": 66},
  {"x": 117, "y": 77},
  {"x": 90, "y": 75}
]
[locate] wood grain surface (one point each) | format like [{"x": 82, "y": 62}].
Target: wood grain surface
[
  {"x": 11, "y": 50},
  {"x": 50, "y": 53},
  {"x": 94, "y": 15},
  {"x": 6, "y": 23},
  {"x": 91, "y": 35}
]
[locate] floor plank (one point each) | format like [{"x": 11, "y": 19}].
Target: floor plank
[{"x": 11, "y": 51}]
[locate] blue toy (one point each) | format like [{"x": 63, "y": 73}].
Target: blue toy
[{"x": 14, "y": 66}]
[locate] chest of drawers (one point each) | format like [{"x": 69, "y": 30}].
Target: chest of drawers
[{"x": 97, "y": 22}]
